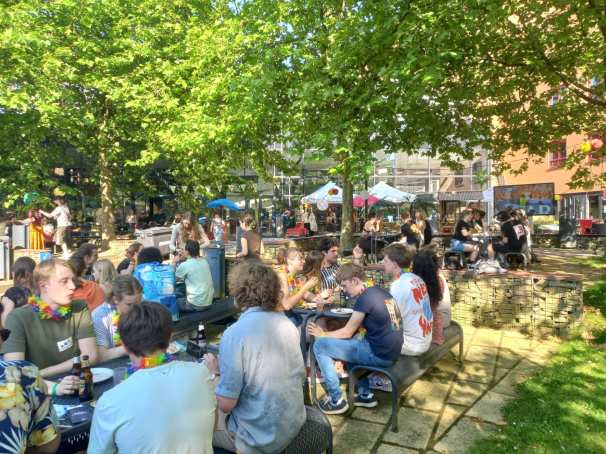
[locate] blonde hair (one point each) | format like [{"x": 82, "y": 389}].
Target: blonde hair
[
  {"x": 46, "y": 269},
  {"x": 107, "y": 274}
]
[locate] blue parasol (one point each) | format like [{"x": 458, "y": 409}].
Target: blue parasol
[{"x": 225, "y": 203}]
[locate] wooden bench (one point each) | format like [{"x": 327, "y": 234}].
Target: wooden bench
[
  {"x": 407, "y": 369},
  {"x": 220, "y": 309}
]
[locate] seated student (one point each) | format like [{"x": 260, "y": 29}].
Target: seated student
[
  {"x": 410, "y": 293},
  {"x": 104, "y": 274},
  {"x": 376, "y": 311},
  {"x": 87, "y": 290},
  {"x": 165, "y": 405},
  {"x": 22, "y": 289},
  {"x": 127, "y": 265},
  {"x": 90, "y": 255},
  {"x": 126, "y": 291},
  {"x": 264, "y": 404},
  {"x": 295, "y": 290},
  {"x": 426, "y": 266},
  {"x": 513, "y": 235},
  {"x": 157, "y": 280},
  {"x": 53, "y": 328},
  {"x": 195, "y": 272},
  {"x": 461, "y": 239},
  {"x": 330, "y": 250}
]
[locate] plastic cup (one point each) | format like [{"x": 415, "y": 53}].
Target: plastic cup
[{"x": 119, "y": 375}]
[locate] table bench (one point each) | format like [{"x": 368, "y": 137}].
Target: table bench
[
  {"x": 219, "y": 310},
  {"x": 407, "y": 369}
]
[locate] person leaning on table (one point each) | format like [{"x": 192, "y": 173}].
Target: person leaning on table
[
  {"x": 260, "y": 389},
  {"x": 165, "y": 405},
  {"x": 51, "y": 329}
]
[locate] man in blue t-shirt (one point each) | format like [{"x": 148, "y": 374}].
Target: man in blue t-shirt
[{"x": 377, "y": 317}]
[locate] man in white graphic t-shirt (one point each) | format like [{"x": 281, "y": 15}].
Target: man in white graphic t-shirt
[
  {"x": 410, "y": 294},
  {"x": 63, "y": 216}
]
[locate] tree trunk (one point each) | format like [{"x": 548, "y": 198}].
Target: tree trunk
[
  {"x": 107, "y": 203},
  {"x": 347, "y": 214}
]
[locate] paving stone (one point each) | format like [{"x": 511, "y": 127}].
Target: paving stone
[
  {"x": 514, "y": 334},
  {"x": 479, "y": 372},
  {"x": 379, "y": 414},
  {"x": 508, "y": 358},
  {"x": 516, "y": 343},
  {"x": 448, "y": 364},
  {"x": 487, "y": 337},
  {"x": 427, "y": 395},
  {"x": 463, "y": 435},
  {"x": 528, "y": 367},
  {"x": 356, "y": 437},
  {"x": 488, "y": 408},
  {"x": 415, "y": 427},
  {"x": 466, "y": 392},
  {"x": 481, "y": 354},
  {"x": 390, "y": 449},
  {"x": 500, "y": 373},
  {"x": 449, "y": 416}
]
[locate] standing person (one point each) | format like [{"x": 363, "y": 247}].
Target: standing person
[
  {"x": 426, "y": 233},
  {"x": 264, "y": 404},
  {"x": 195, "y": 272},
  {"x": 409, "y": 232},
  {"x": 310, "y": 221},
  {"x": 461, "y": 240},
  {"x": 131, "y": 220},
  {"x": 36, "y": 235},
  {"x": 48, "y": 231},
  {"x": 250, "y": 242},
  {"x": 330, "y": 264},
  {"x": 52, "y": 328},
  {"x": 331, "y": 220},
  {"x": 376, "y": 311},
  {"x": 218, "y": 228},
  {"x": 285, "y": 221},
  {"x": 63, "y": 217},
  {"x": 29, "y": 419},
  {"x": 128, "y": 264},
  {"x": 410, "y": 293},
  {"x": 165, "y": 405},
  {"x": 126, "y": 291},
  {"x": 23, "y": 286},
  {"x": 187, "y": 229}
]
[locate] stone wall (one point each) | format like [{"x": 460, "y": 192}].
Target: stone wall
[{"x": 534, "y": 303}]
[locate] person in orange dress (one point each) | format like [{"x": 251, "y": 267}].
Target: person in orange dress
[{"x": 36, "y": 236}]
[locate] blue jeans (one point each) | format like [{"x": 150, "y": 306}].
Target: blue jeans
[{"x": 352, "y": 351}]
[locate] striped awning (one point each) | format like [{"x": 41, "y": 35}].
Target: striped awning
[{"x": 463, "y": 196}]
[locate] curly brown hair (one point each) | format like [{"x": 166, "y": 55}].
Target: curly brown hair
[{"x": 253, "y": 284}]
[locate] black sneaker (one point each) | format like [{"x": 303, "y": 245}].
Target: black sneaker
[
  {"x": 368, "y": 401},
  {"x": 330, "y": 408}
]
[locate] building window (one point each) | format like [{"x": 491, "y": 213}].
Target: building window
[{"x": 557, "y": 154}]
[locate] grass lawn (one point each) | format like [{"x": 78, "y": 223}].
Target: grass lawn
[{"x": 563, "y": 407}]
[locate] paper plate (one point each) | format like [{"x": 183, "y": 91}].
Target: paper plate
[
  {"x": 342, "y": 310},
  {"x": 101, "y": 374}
]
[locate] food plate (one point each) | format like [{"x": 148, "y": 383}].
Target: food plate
[
  {"x": 342, "y": 310},
  {"x": 101, "y": 374}
]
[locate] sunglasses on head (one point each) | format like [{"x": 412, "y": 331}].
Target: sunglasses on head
[{"x": 4, "y": 333}]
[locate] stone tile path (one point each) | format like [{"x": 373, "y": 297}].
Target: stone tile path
[{"x": 451, "y": 406}]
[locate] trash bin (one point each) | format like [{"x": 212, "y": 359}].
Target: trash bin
[
  {"x": 215, "y": 255},
  {"x": 20, "y": 235},
  {"x": 6, "y": 259},
  {"x": 155, "y": 237},
  {"x": 568, "y": 232}
]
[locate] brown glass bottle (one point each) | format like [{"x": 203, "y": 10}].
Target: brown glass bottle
[
  {"x": 86, "y": 381},
  {"x": 76, "y": 367}
]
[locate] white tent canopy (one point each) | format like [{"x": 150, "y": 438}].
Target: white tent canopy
[
  {"x": 383, "y": 191},
  {"x": 323, "y": 194}
]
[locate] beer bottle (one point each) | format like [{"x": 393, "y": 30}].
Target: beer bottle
[
  {"x": 86, "y": 381},
  {"x": 201, "y": 337},
  {"x": 76, "y": 367}
]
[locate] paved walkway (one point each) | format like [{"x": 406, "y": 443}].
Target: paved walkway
[{"x": 451, "y": 406}]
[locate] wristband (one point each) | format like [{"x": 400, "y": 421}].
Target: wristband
[{"x": 54, "y": 389}]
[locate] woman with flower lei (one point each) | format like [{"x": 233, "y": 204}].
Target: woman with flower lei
[
  {"x": 295, "y": 290},
  {"x": 52, "y": 329},
  {"x": 126, "y": 291}
]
